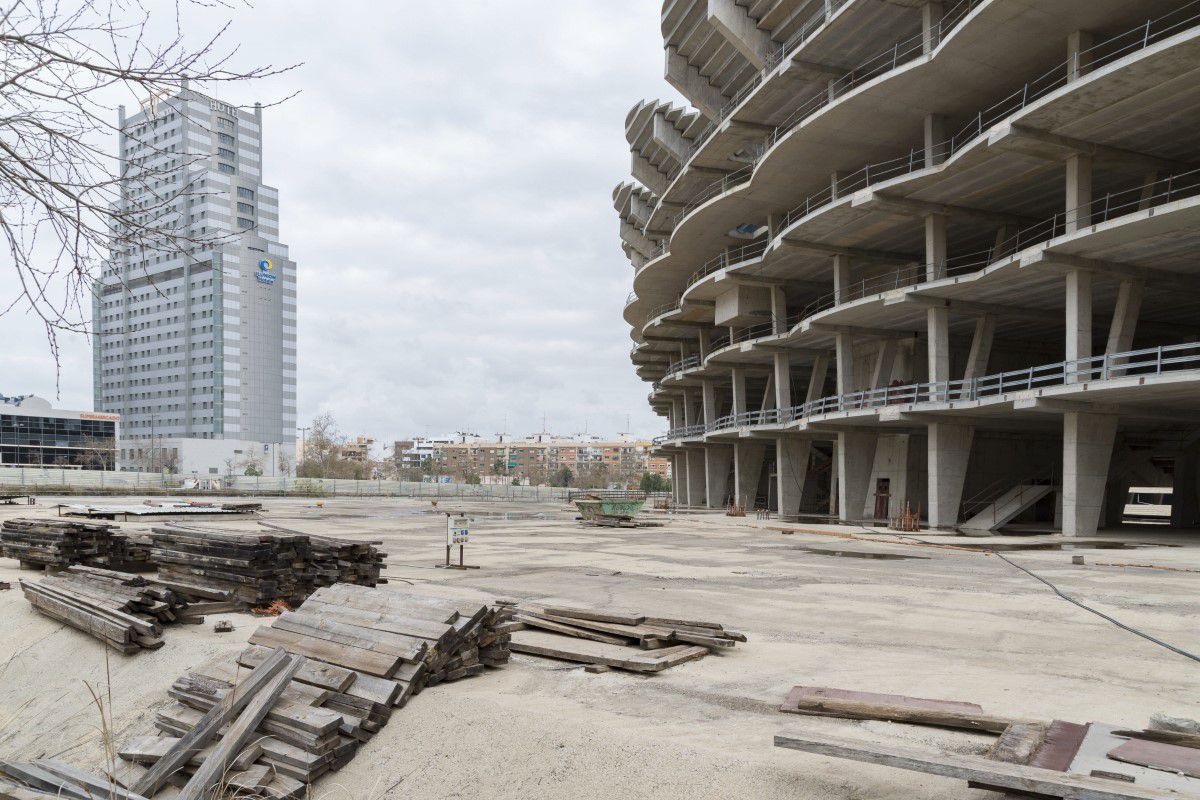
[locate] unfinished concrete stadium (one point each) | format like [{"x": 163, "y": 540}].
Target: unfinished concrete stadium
[{"x": 935, "y": 256}]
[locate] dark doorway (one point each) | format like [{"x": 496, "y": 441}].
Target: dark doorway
[{"x": 883, "y": 497}]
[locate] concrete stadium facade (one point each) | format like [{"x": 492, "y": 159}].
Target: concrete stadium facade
[{"x": 934, "y": 255}]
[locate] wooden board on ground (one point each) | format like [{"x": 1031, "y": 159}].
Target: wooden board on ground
[
  {"x": 584, "y": 651},
  {"x": 1016, "y": 777},
  {"x": 820, "y": 701}
]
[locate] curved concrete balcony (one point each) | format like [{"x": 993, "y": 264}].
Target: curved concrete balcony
[
  {"x": 1148, "y": 55},
  {"x": 1157, "y": 373}
]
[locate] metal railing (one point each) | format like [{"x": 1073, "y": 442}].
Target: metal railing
[
  {"x": 1133, "y": 363},
  {"x": 727, "y": 258},
  {"x": 1111, "y": 49},
  {"x": 684, "y": 363}
]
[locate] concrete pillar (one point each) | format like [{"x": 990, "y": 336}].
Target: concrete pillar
[
  {"x": 1185, "y": 497},
  {"x": 717, "y": 458},
  {"x": 981, "y": 347},
  {"x": 737, "y": 377},
  {"x": 708, "y": 401},
  {"x": 935, "y": 246},
  {"x": 931, "y": 18},
  {"x": 855, "y": 458},
  {"x": 1078, "y": 321},
  {"x": 949, "y": 452},
  {"x": 1079, "y": 56},
  {"x": 678, "y": 479},
  {"x": 779, "y": 313},
  {"x": 692, "y": 85},
  {"x": 835, "y": 183},
  {"x": 841, "y": 277},
  {"x": 816, "y": 379},
  {"x": 677, "y": 417},
  {"x": 768, "y": 400},
  {"x": 689, "y": 408},
  {"x": 1087, "y": 450},
  {"x": 783, "y": 382},
  {"x": 844, "y": 355},
  {"x": 1079, "y": 193},
  {"x": 938, "y": 325},
  {"x": 748, "y": 458},
  {"x": 885, "y": 359},
  {"x": 1125, "y": 317},
  {"x": 833, "y": 481},
  {"x": 935, "y": 136},
  {"x": 704, "y": 344},
  {"x": 697, "y": 488},
  {"x": 791, "y": 471},
  {"x": 738, "y": 28}
]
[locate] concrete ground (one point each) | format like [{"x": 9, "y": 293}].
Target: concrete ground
[{"x": 940, "y": 622}]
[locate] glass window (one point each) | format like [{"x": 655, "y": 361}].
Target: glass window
[
  {"x": 226, "y": 168},
  {"x": 225, "y": 152},
  {"x": 245, "y": 208},
  {"x": 245, "y": 223},
  {"x": 225, "y": 138},
  {"x": 245, "y": 194}
]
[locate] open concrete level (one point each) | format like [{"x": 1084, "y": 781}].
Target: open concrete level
[{"x": 939, "y": 623}]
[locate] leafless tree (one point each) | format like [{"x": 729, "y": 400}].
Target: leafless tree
[{"x": 62, "y": 213}]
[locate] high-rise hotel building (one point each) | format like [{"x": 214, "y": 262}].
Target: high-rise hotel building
[{"x": 196, "y": 337}]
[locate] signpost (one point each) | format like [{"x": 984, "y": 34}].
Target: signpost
[{"x": 458, "y": 532}]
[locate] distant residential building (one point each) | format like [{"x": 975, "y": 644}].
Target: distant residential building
[
  {"x": 357, "y": 449},
  {"x": 35, "y": 434},
  {"x": 541, "y": 457}
]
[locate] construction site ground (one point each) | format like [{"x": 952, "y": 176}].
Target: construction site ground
[{"x": 927, "y": 621}]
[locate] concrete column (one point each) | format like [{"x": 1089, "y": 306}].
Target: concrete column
[
  {"x": 779, "y": 312},
  {"x": 885, "y": 359},
  {"x": 855, "y": 458},
  {"x": 697, "y": 487},
  {"x": 791, "y": 471},
  {"x": 835, "y": 182},
  {"x": 981, "y": 347},
  {"x": 677, "y": 413},
  {"x": 841, "y": 277},
  {"x": 938, "y": 324},
  {"x": 1079, "y": 193},
  {"x": 679, "y": 479},
  {"x": 705, "y": 347},
  {"x": 689, "y": 408},
  {"x": 949, "y": 453},
  {"x": 783, "y": 382},
  {"x": 816, "y": 379},
  {"x": 717, "y": 458},
  {"x": 834, "y": 485},
  {"x": 737, "y": 377},
  {"x": 1125, "y": 317},
  {"x": 1087, "y": 450},
  {"x": 748, "y": 458},
  {"x": 768, "y": 399},
  {"x": 1185, "y": 498},
  {"x": 740, "y": 30},
  {"x": 692, "y": 85},
  {"x": 931, "y": 17},
  {"x": 935, "y": 135},
  {"x": 935, "y": 246},
  {"x": 1078, "y": 321},
  {"x": 708, "y": 401},
  {"x": 844, "y": 354},
  {"x": 1079, "y": 56}
]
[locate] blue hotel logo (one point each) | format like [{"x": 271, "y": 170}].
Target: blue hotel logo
[{"x": 266, "y": 271}]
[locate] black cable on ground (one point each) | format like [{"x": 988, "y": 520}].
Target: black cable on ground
[
  {"x": 1057, "y": 591},
  {"x": 1098, "y": 613}
]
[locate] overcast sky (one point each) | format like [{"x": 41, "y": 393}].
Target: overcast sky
[{"x": 445, "y": 178}]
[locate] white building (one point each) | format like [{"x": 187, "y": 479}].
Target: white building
[{"x": 196, "y": 329}]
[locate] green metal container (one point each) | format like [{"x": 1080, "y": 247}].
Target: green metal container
[{"x": 595, "y": 508}]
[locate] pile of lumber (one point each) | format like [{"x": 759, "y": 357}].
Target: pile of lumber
[
  {"x": 259, "y": 568},
  {"x": 330, "y": 560},
  {"x": 53, "y": 542},
  {"x": 127, "y": 551},
  {"x": 620, "y": 640},
  {"x": 125, "y": 611},
  {"x": 46, "y": 779},
  {"x": 255, "y": 568},
  {"x": 352, "y": 655}
]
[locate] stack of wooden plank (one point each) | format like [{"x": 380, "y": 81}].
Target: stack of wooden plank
[
  {"x": 45, "y": 779},
  {"x": 622, "y": 640},
  {"x": 53, "y": 542},
  {"x": 330, "y": 560},
  {"x": 125, "y": 611},
  {"x": 127, "y": 552},
  {"x": 361, "y": 653},
  {"x": 255, "y": 568}
]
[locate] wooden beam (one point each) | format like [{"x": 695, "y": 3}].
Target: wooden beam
[{"x": 972, "y": 768}]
